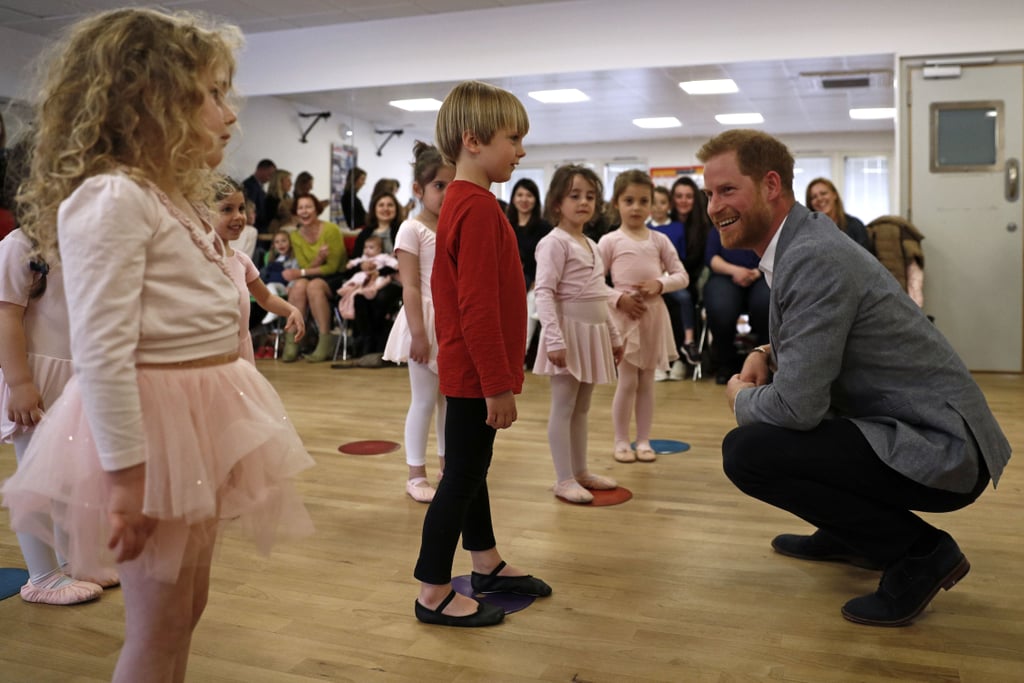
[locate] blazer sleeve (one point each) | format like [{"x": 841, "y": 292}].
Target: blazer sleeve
[{"x": 816, "y": 305}]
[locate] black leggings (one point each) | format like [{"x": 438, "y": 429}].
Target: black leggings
[
  {"x": 832, "y": 478},
  {"x": 461, "y": 505}
]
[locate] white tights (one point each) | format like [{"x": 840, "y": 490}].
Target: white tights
[
  {"x": 634, "y": 383},
  {"x": 567, "y": 425},
  {"x": 425, "y": 398},
  {"x": 40, "y": 558}
]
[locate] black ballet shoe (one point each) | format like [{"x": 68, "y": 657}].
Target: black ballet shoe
[
  {"x": 485, "y": 615},
  {"x": 520, "y": 585}
]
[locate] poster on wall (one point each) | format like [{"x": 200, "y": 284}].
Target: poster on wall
[
  {"x": 664, "y": 176},
  {"x": 343, "y": 159}
]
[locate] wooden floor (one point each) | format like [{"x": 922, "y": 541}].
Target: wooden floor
[{"x": 678, "y": 584}]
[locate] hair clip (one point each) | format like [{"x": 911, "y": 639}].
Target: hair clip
[{"x": 40, "y": 267}]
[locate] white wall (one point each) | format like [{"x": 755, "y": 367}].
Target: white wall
[
  {"x": 17, "y": 50},
  {"x": 270, "y": 127}
]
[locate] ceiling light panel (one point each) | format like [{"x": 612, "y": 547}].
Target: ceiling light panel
[
  {"x": 718, "y": 86},
  {"x": 658, "y": 122},
  {"x": 739, "y": 119},
  {"x": 421, "y": 104},
  {"x": 563, "y": 96},
  {"x": 869, "y": 114}
]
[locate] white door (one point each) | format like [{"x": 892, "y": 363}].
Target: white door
[{"x": 964, "y": 127}]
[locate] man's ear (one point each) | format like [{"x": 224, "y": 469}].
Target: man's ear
[
  {"x": 772, "y": 185},
  {"x": 470, "y": 141}
]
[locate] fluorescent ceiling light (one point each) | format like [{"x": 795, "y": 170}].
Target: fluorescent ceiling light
[
  {"x": 875, "y": 113},
  {"x": 559, "y": 96},
  {"x": 421, "y": 104},
  {"x": 658, "y": 122},
  {"x": 739, "y": 119},
  {"x": 716, "y": 86}
]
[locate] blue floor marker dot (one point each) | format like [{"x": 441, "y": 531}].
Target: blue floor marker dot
[{"x": 666, "y": 446}]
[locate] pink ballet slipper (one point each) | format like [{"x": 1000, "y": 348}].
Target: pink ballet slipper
[
  {"x": 69, "y": 594},
  {"x": 571, "y": 491},
  {"x": 596, "y": 482},
  {"x": 105, "y": 578},
  {"x": 624, "y": 454},
  {"x": 420, "y": 490},
  {"x": 646, "y": 454}
]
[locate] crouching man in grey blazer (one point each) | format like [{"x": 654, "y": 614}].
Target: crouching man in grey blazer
[{"x": 859, "y": 410}]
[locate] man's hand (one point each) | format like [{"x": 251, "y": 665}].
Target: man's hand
[
  {"x": 735, "y": 386},
  {"x": 757, "y": 367}
]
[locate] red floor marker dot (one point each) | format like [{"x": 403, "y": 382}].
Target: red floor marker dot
[
  {"x": 368, "y": 447},
  {"x": 615, "y": 496}
]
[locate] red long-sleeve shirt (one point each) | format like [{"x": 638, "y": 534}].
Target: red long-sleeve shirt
[{"x": 479, "y": 296}]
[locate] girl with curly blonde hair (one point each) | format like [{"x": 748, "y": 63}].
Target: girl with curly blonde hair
[{"x": 151, "y": 442}]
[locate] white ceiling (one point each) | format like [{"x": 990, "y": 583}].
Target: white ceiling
[{"x": 789, "y": 94}]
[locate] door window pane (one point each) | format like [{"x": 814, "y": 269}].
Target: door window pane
[{"x": 965, "y": 136}]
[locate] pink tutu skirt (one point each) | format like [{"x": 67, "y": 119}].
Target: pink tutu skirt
[
  {"x": 648, "y": 341},
  {"x": 397, "y": 348},
  {"x": 588, "y": 345},
  {"x": 50, "y": 375},
  {"x": 219, "y": 447}
]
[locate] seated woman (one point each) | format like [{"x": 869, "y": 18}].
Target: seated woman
[
  {"x": 383, "y": 221},
  {"x": 319, "y": 249},
  {"x": 735, "y": 286},
  {"x": 823, "y": 197},
  {"x": 375, "y": 315}
]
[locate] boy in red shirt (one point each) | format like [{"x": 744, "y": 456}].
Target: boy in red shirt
[{"x": 480, "y": 319}]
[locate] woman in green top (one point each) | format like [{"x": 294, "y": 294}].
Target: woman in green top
[{"x": 319, "y": 249}]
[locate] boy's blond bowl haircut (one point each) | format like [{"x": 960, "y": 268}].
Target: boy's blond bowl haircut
[{"x": 480, "y": 109}]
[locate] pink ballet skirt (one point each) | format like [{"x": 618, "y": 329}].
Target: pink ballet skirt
[
  {"x": 50, "y": 375},
  {"x": 648, "y": 341},
  {"x": 399, "y": 340},
  {"x": 219, "y": 447},
  {"x": 588, "y": 345}
]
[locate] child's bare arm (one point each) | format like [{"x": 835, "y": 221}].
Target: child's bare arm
[
  {"x": 275, "y": 304},
  {"x": 26, "y": 403}
]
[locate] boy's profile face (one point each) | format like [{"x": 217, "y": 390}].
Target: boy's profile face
[{"x": 499, "y": 157}]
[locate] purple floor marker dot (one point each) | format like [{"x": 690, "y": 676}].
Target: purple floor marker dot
[{"x": 510, "y": 602}]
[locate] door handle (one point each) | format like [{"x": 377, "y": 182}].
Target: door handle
[{"x": 1012, "y": 180}]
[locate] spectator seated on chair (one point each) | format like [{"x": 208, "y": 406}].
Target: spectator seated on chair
[
  {"x": 735, "y": 287},
  {"x": 319, "y": 250}
]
